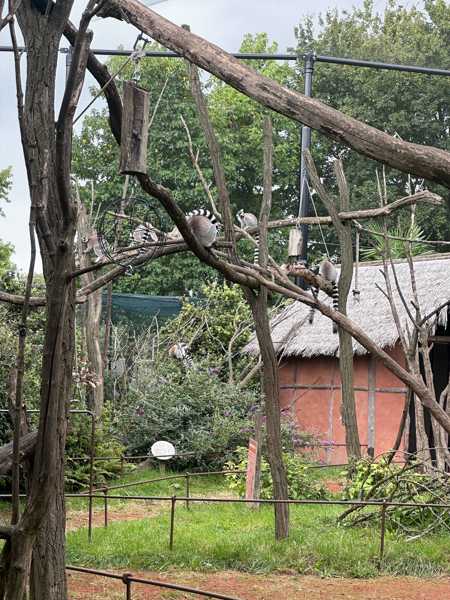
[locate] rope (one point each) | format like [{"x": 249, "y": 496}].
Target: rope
[
  {"x": 320, "y": 227},
  {"x": 100, "y": 92},
  {"x": 135, "y": 56}
]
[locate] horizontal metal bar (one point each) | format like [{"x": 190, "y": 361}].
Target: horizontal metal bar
[
  {"x": 267, "y": 56},
  {"x": 157, "y": 479},
  {"x": 370, "y": 64},
  {"x": 154, "y": 582},
  {"x": 269, "y": 501}
]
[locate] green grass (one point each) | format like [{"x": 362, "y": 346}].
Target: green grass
[
  {"x": 198, "y": 485},
  {"x": 227, "y": 536}
]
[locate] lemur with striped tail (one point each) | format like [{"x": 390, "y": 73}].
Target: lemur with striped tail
[
  {"x": 180, "y": 351},
  {"x": 143, "y": 234},
  {"x": 328, "y": 271},
  {"x": 204, "y": 226},
  {"x": 248, "y": 221}
]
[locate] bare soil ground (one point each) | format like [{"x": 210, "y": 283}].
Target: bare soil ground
[{"x": 262, "y": 587}]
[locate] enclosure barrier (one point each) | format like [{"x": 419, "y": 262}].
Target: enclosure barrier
[
  {"x": 128, "y": 579},
  {"x": 174, "y": 499},
  {"x": 106, "y": 489}
]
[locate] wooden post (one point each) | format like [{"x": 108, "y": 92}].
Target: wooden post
[
  {"x": 133, "y": 147},
  {"x": 371, "y": 399},
  {"x": 295, "y": 243}
]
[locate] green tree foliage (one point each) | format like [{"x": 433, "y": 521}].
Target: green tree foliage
[
  {"x": 6, "y": 250},
  {"x": 412, "y": 106},
  {"x": 238, "y": 122},
  {"x": 301, "y": 483},
  {"x": 210, "y": 322}
]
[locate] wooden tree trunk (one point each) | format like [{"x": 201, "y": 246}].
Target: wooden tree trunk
[
  {"x": 271, "y": 390},
  {"x": 348, "y": 405},
  {"x": 38, "y": 537},
  {"x": 92, "y": 319}
]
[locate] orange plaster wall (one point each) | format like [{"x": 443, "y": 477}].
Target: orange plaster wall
[{"x": 319, "y": 411}]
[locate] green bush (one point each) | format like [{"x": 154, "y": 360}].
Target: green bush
[
  {"x": 380, "y": 480},
  {"x": 300, "y": 483},
  {"x": 78, "y": 446},
  {"x": 194, "y": 410}
]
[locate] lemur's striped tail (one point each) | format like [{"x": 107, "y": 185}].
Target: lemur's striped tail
[
  {"x": 256, "y": 250},
  {"x": 203, "y": 212},
  {"x": 312, "y": 310},
  {"x": 335, "y": 297}
]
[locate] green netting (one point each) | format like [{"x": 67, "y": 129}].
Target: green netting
[{"x": 139, "y": 310}]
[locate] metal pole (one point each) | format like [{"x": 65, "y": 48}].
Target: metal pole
[
  {"x": 69, "y": 55},
  {"x": 187, "y": 490},
  {"x": 382, "y": 533},
  {"x": 105, "y": 501},
  {"x": 127, "y": 583},
  {"x": 304, "y": 207},
  {"x": 172, "y": 520},
  {"x": 91, "y": 473}
]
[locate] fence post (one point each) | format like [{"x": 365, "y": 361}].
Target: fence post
[
  {"x": 122, "y": 461},
  {"x": 187, "y": 489},
  {"x": 127, "y": 583},
  {"x": 91, "y": 471},
  {"x": 382, "y": 533},
  {"x": 172, "y": 520},
  {"x": 105, "y": 503},
  {"x": 90, "y": 517}
]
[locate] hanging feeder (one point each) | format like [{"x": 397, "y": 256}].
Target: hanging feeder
[{"x": 133, "y": 147}]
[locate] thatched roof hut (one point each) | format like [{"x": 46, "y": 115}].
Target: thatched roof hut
[
  {"x": 293, "y": 335},
  {"x": 310, "y": 386}
]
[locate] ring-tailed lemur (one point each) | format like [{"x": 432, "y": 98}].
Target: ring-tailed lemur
[
  {"x": 247, "y": 221},
  {"x": 204, "y": 226},
  {"x": 93, "y": 243},
  {"x": 180, "y": 351},
  {"x": 328, "y": 271},
  {"x": 143, "y": 234}
]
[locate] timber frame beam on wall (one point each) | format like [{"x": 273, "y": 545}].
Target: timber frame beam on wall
[{"x": 331, "y": 386}]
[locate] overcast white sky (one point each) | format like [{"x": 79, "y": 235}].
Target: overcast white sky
[{"x": 223, "y": 22}]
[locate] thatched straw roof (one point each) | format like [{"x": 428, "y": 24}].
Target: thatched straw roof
[{"x": 293, "y": 335}]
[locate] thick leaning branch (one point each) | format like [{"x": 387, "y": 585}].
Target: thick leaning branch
[{"x": 430, "y": 163}]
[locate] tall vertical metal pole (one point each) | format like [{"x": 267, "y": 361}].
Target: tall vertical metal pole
[
  {"x": 304, "y": 206},
  {"x": 68, "y": 61}
]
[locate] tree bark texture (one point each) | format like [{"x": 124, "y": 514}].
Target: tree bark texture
[
  {"x": 271, "y": 390},
  {"x": 431, "y": 163},
  {"x": 39, "y": 534},
  {"x": 269, "y": 371},
  {"x": 348, "y": 405},
  {"x": 133, "y": 149},
  {"x": 91, "y": 322}
]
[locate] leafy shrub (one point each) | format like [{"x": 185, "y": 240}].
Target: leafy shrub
[
  {"x": 366, "y": 478},
  {"x": 194, "y": 410},
  {"x": 78, "y": 446},
  {"x": 300, "y": 483},
  {"x": 379, "y": 480}
]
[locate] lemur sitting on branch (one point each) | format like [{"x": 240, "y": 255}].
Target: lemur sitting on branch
[
  {"x": 328, "y": 271},
  {"x": 204, "y": 226},
  {"x": 247, "y": 221}
]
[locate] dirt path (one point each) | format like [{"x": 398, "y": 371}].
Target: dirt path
[
  {"x": 263, "y": 587},
  {"x": 131, "y": 511}
]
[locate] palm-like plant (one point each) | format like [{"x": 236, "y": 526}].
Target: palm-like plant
[{"x": 399, "y": 248}]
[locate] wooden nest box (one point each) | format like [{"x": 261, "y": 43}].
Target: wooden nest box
[{"x": 133, "y": 147}]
